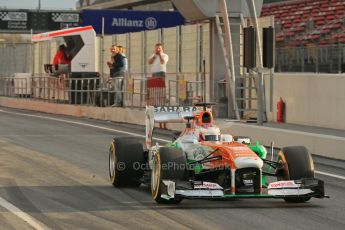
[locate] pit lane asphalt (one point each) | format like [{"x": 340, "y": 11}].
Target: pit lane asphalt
[{"x": 58, "y": 173}]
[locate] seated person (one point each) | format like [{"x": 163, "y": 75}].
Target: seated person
[
  {"x": 209, "y": 134},
  {"x": 61, "y": 56}
]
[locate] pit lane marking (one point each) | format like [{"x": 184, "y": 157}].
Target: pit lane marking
[
  {"x": 330, "y": 175},
  {"x": 84, "y": 124},
  {"x": 338, "y": 138},
  {"x": 128, "y": 133},
  {"x": 22, "y": 215}
]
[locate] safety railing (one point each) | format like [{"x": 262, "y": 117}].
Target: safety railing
[
  {"x": 125, "y": 91},
  {"x": 182, "y": 92},
  {"x": 311, "y": 58}
]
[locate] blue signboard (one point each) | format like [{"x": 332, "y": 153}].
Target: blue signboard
[{"x": 125, "y": 21}]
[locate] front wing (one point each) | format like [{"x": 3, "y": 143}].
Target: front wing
[{"x": 281, "y": 189}]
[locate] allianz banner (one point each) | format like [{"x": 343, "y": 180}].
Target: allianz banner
[{"x": 125, "y": 21}]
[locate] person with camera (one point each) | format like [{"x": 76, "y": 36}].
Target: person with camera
[{"x": 158, "y": 61}]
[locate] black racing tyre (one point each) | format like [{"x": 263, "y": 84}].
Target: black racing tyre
[
  {"x": 168, "y": 164},
  {"x": 126, "y": 156},
  {"x": 297, "y": 164}
]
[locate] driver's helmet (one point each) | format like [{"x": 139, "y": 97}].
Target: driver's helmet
[{"x": 210, "y": 134}]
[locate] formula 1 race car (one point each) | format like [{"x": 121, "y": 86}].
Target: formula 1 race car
[{"x": 201, "y": 162}]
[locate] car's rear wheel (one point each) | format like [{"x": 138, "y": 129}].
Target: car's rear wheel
[
  {"x": 297, "y": 163},
  {"x": 168, "y": 164},
  {"x": 126, "y": 156}
]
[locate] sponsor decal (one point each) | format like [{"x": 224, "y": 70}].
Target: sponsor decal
[
  {"x": 16, "y": 25},
  {"x": 169, "y": 109},
  {"x": 247, "y": 155},
  {"x": 282, "y": 184},
  {"x": 124, "y": 22},
  {"x": 13, "y": 20},
  {"x": 243, "y": 151},
  {"x": 13, "y": 16},
  {"x": 241, "y": 148},
  {"x": 200, "y": 193},
  {"x": 83, "y": 65},
  {"x": 151, "y": 23},
  {"x": 199, "y": 153},
  {"x": 207, "y": 185},
  {"x": 65, "y": 17},
  {"x": 248, "y": 182}
]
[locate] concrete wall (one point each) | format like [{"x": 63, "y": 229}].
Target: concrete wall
[
  {"x": 311, "y": 99},
  {"x": 126, "y": 115}
]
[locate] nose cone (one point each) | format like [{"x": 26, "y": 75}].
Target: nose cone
[{"x": 248, "y": 162}]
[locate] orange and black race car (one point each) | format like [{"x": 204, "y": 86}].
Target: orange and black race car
[{"x": 201, "y": 162}]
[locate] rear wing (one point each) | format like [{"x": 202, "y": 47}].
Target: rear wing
[{"x": 166, "y": 114}]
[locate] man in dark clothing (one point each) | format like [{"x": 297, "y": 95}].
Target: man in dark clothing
[
  {"x": 118, "y": 65},
  {"x": 118, "y": 77}
]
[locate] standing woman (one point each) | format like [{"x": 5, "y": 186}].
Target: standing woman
[{"x": 113, "y": 52}]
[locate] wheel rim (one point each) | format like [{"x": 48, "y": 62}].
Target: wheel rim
[
  {"x": 112, "y": 161},
  {"x": 155, "y": 176}
]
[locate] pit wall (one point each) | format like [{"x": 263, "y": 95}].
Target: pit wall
[{"x": 311, "y": 99}]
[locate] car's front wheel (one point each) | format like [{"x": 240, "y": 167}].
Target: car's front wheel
[
  {"x": 168, "y": 164},
  {"x": 297, "y": 163}
]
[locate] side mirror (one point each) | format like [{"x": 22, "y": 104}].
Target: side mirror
[
  {"x": 226, "y": 138},
  {"x": 243, "y": 140}
]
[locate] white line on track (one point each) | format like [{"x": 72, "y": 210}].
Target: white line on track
[
  {"x": 128, "y": 133},
  {"x": 295, "y": 132},
  {"x": 330, "y": 175},
  {"x": 83, "y": 124},
  {"x": 22, "y": 215}
]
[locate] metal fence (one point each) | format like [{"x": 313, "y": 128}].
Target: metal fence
[
  {"x": 312, "y": 58},
  {"x": 186, "y": 47},
  {"x": 126, "y": 91}
]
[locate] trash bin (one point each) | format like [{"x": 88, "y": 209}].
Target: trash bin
[{"x": 156, "y": 91}]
